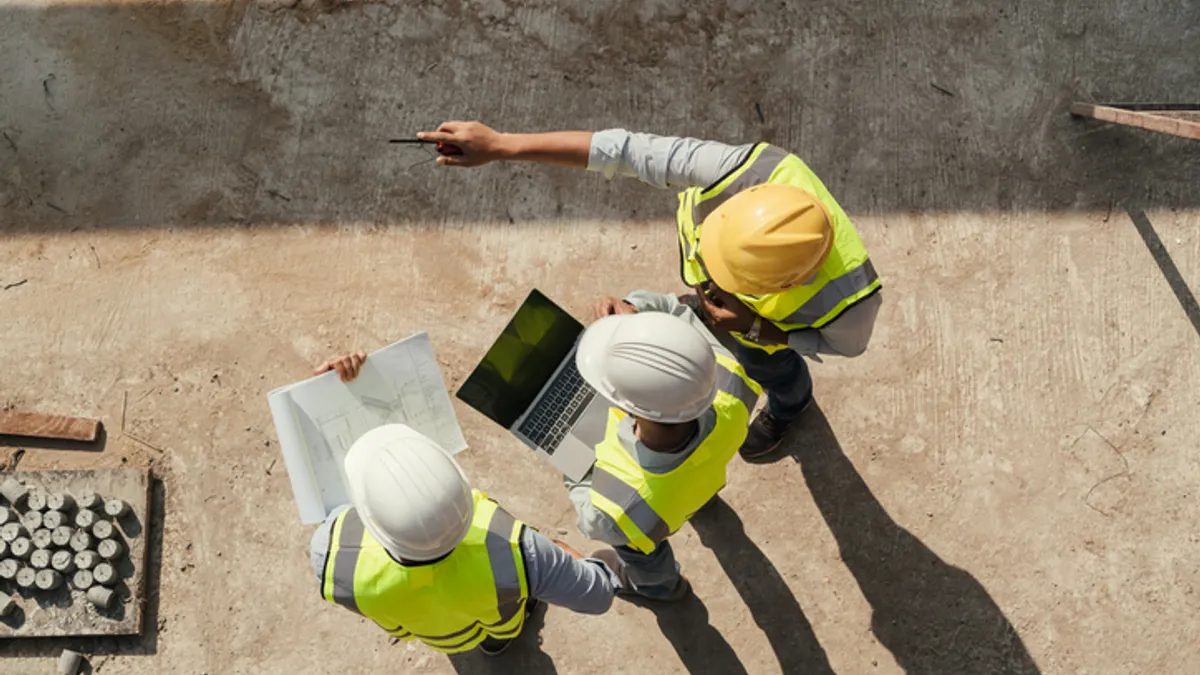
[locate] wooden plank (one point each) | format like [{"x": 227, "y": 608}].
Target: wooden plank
[
  {"x": 1143, "y": 120},
  {"x": 49, "y": 426},
  {"x": 66, "y": 611}
]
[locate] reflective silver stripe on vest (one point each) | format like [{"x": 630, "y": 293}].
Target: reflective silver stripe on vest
[
  {"x": 349, "y": 542},
  {"x": 832, "y": 293},
  {"x": 756, "y": 174},
  {"x": 504, "y": 567},
  {"x": 732, "y": 383},
  {"x": 623, "y": 495}
]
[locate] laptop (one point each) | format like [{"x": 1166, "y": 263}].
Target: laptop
[{"x": 528, "y": 384}]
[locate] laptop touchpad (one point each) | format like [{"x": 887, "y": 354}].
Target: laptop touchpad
[{"x": 589, "y": 428}]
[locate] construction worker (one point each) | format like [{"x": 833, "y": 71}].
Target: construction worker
[
  {"x": 428, "y": 558},
  {"x": 775, "y": 259},
  {"x": 681, "y": 407}
]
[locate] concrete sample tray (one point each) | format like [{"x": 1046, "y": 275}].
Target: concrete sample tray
[{"x": 66, "y": 610}]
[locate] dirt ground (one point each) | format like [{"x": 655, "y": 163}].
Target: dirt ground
[{"x": 197, "y": 203}]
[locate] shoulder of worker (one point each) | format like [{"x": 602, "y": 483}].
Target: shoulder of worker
[{"x": 318, "y": 545}]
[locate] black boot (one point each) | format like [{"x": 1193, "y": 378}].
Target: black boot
[{"x": 764, "y": 436}]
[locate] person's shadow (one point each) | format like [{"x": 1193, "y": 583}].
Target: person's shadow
[
  {"x": 525, "y": 656},
  {"x": 699, "y": 645},
  {"x": 766, "y": 594},
  {"x": 935, "y": 618}
]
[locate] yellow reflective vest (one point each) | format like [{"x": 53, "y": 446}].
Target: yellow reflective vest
[
  {"x": 846, "y": 278},
  {"x": 649, "y": 507},
  {"x": 477, "y": 591}
]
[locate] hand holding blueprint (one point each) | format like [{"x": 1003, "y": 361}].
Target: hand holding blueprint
[{"x": 320, "y": 418}]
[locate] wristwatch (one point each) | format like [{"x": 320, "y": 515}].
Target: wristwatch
[{"x": 755, "y": 330}]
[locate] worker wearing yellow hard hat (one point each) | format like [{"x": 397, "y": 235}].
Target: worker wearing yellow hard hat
[{"x": 777, "y": 261}]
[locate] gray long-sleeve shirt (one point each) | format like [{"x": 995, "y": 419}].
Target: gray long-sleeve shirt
[
  {"x": 680, "y": 163},
  {"x": 596, "y": 524},
  {"x": 586, "y": 586}
]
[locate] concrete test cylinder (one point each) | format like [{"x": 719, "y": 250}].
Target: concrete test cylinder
[
  {"x": 81, "y": 541},
  {"x": 39, "y": 559},
  {"x": 43, "y": 538},
  {"x": 48, "y": 580},
  {"x": 69, "y": 662},
  {"x": 20, "y": 548},
  {"x": 12, "y": 531},
  {"x": 26, "y": 576},
  {"x": 9, "y": 568},
  {"x": 101, "y": 597},
  {"x": 63, "y": 562},
  {"x": 32, "y": 520},
  {"x": 104, "y": 574},
  {"x": 36, "y": 500},
  {"x": 116, "y": 508},
  {"x": 60, "y": 501},
  {"x": 86, "y": 560},
  {"x": 53, "y": 519},
  {"x": 86, "y": 518},
  {"x": 61, "y": 536},
  {"x": 110, "y": 549},
  {"x": 14, "y": 492},
  {"x": 82, "y": 579},
  {"x": 102, "y": 529}
]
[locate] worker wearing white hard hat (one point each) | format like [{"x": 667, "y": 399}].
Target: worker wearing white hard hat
[
  {"x": 681, "y": 405},
  {"x": 778, "y": 263},
  {"x": 428, "y": 558}
]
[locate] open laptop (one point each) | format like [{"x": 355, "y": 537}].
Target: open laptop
[{"x": 528, "y": 384}]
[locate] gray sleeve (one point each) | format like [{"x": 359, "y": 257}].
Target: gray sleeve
[
  {"x": 586, "y": 586},
  {"x": 592, "y": 522},
  {"x": 647, "y": 301},
  {"x": 318, "y": 546},
  {"x": 847, "y": 336},
  {"x": 663, "y": 161}
]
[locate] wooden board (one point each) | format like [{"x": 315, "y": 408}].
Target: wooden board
[
  {"x": 66, "y": 611},
  {"x": 1172, "y": 120},
  {"x": 49, "y": 426}
]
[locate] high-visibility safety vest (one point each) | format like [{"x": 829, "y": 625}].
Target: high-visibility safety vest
[
  {"x": 477, "y": 591},
  {"x": 649, "y": 507},
  {"x": 846, "y": 278}
]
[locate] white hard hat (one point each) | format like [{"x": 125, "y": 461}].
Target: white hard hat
[
  {"x": 410, "y": 493},
  {"x": 649, "y": 364}
]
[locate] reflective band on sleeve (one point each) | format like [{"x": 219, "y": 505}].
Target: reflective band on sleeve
[
  {"x": 349, "y": 540},
  {"x": 832, "y": 294},
  {"x": 757, "y": 173},
  {"x": 618, "y": 492},
  {"x": 732, "y": 383},
  {"x": 504, "y": 567}
]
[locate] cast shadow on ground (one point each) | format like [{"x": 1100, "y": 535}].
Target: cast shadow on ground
[
  {"x": 524, "y": 657},
  {"x": 700, "y": 647},
  {"x": 101, "y": 646},
  {"x": 935, "y": 618},
  {"x": 1166, "y": 265},
  {"x": 766, "y": 594}
]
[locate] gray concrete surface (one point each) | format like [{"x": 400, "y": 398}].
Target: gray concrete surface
[{"x": 202, "y": 204}]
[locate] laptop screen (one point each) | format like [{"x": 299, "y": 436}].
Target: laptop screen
[{"x": 521, "y": 361}]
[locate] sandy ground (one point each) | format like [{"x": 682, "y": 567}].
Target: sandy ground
[{"x": 200, "y": 203}]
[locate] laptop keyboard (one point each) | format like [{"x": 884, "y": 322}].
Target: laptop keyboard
[{"x": 557, "y": 409}]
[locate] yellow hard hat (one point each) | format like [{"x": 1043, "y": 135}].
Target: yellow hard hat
[{"x": 766, "y": 239}]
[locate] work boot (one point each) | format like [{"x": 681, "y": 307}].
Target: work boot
[
  {"x": 493, "y": 647},
  {"x": 764, "y": 436}
]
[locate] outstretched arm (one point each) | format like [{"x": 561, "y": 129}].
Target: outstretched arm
[{"x": 661, "y": 161}]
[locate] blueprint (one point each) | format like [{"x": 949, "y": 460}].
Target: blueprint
[{"x": 317, "y": 420}]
